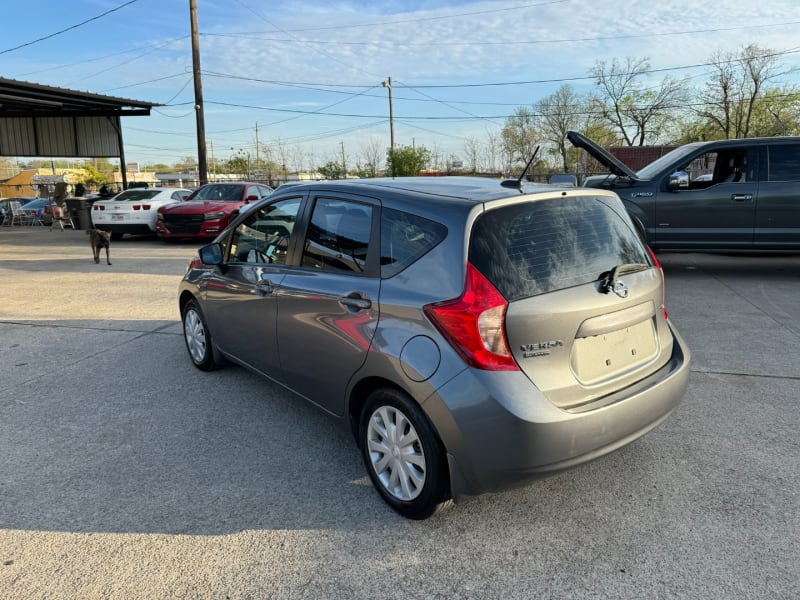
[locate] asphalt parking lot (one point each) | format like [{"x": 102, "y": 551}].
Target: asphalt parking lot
[{"x": 127, "y": 473}]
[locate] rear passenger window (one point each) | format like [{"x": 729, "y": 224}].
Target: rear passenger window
[
  {"x": 538, "y": 247},
  {"x": 784, "y": 163},
  {"x": 405, "y": 238},
  {"x": 338, "y": 236}
]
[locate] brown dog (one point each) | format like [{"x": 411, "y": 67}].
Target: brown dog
[{"x": 99, "y": 239}]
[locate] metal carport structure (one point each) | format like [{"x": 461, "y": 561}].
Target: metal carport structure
[{"x": 44, "y": 121}]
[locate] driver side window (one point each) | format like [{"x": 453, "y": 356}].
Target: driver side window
[
  {"x": 263, "y": 237},
  {"x": 719, "y": 166}
]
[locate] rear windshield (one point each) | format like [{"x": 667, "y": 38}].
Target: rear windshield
[
  {"x": 137, "y": 195},
  {"x": 536, "y": 247}
]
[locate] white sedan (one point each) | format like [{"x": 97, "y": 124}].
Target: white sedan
[{"x": 135, "y": 210}]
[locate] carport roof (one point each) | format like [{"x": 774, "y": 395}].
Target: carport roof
[{"x": 23, "y": 99}]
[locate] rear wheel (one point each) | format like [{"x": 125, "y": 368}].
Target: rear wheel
[
  {"x": 197, "y": 337},
  {"x": 402, "y": 454}
]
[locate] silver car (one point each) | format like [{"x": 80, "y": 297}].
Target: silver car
[{"x": 473, "y": 336}]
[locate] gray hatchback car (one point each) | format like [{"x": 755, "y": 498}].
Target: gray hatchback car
[{"x": 472, "y": 335}]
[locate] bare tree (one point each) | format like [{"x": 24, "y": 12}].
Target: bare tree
[
  {"x": 559, "y": 113},
  {"x": 636, "y": 113},
  {"x": 519, "y": 135},
  {"x": 731, "y": 95},
  {"x": 472, "y": 150},
  {"x": 491, "y": 152},
  {"x": 372, "y": 153}
]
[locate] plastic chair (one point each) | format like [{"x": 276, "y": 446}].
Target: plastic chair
[
  {"x": 18, "y": 216},
  {"x": 61, "y": 218},
  {"x": 36, "y": 217}
]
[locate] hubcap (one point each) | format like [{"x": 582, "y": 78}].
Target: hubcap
[
  {"x": 195, "y": 335},
  {"x": 396, "y": 453}
]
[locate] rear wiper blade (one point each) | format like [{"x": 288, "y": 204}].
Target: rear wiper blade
[{"x": 609, "y": 280}]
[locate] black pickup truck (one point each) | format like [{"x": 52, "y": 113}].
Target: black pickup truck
[{"x": 739, "y": 194}]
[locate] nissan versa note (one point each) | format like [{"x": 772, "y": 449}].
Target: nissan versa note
[{"x": 472, "y": 335}]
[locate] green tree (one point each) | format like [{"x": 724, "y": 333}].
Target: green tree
[
  {"x": 332, "y": 170},
  {"x": 407, "y": 161},
  {"x": 93, "y": 176}
]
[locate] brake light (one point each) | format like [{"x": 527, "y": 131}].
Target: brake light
[
  {"x": 145, "y": 207},
  {"x": 474, "y": 324},
  {"x": 657, "y": 264}
]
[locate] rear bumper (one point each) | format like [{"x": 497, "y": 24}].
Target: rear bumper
[
  {"x": 121, "y": 227},
  {"x": 500, "y": 431}
]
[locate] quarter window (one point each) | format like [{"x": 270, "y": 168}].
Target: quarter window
[
  {"x": 338, "y": 236},
  {"x": 405, "y": 238},
  {"x": 263, "y": 237}
]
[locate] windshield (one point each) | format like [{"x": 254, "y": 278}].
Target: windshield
[
  {"x": 224, "y": 192},
  {"x": 655, "y": 167}
]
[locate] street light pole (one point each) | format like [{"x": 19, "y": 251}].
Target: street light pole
[
  {"x": 202, "y": 162},
  {"x": 388, "y": 85}
]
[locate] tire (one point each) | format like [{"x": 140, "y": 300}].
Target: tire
[
  {"x": 198, "y": 337},
  {"x": 408, "y": 470},
  {"x": 116, "y": 235}
]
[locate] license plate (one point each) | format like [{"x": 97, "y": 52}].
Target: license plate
[
  {"x": 117, "y": 217},
  {"x": 601, "y": 357}
]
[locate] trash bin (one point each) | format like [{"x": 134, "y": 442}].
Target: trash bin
[{"x": 81, "y": 212}]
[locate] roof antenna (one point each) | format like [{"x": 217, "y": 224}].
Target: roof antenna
[{"x": 517, "y": 183}]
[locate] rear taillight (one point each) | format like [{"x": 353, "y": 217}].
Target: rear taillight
[
  {"x": 657, "y": 263},
  {"x": 474, "y": 324}
]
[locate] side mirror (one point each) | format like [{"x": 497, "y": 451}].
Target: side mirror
[
  {"x": 679, "y": 180},
  {"x": 253, "y": 198},
  {"x": 211, "y": 254}
]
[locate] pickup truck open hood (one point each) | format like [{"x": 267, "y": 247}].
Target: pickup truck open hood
[{"x": 605, "y": 158}]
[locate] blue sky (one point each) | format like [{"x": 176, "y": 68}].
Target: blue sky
[{"x": 309, "y": 73}]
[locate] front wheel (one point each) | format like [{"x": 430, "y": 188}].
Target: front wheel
[
  {"x": 197, "y": 337},
  {"x": 402, "y": 454}
]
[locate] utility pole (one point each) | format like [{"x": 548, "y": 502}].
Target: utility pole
[
  {"x": 257, "y": 162},
  {"x": 202, "y": 163},
  {"x": 344, "y": 163},
  {"x": 213, "y": 161},
  {"x": 388, "y": 84}
]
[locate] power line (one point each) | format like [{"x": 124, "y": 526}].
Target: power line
[
  {"x": 426, "y": 19},
  {"x": 512, "y": 42},
  {"x": 81, "y": 24}
]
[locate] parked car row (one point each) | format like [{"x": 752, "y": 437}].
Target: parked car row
[{"x": 176, "y": 213}]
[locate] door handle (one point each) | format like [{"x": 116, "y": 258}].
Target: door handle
[
  {"x": 742, "y": 197},
  {"x": 355, "y": 300},
  {"x": 264, "y": 288}
]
